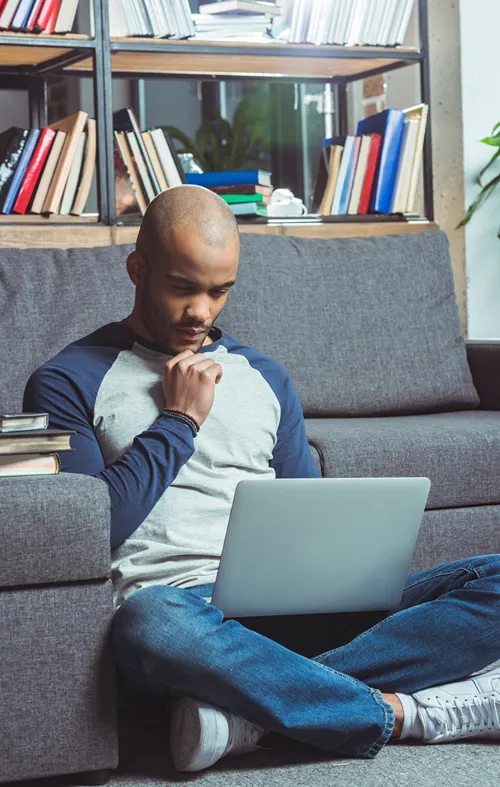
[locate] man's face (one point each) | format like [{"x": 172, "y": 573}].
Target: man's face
[{"x": 182, "y": 290}]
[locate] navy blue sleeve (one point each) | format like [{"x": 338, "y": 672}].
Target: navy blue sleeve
[
  {"x": 292, "y": 456},
  {"x": 141, "y": 475}
]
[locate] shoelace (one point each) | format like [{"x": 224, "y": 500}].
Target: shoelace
[{"x": 467, "y": 716}]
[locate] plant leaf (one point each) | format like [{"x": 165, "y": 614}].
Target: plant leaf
[
  {"x": 490, "y": 162},
  {"x": 482, "y": 196},
  {"x": 494, "y": 140}
]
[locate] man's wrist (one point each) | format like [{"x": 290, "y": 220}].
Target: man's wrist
[{"x": 179, "y": 415}]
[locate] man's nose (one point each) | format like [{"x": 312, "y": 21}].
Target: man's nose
[{"x": 199, "y": 309}]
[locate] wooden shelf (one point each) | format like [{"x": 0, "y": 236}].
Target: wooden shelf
[
  {"x": 274, "y": 60},
  {"x": 51, "y": 235},
  {"x": 41, "y": 221},
  {"x": 24, "y": 51}
]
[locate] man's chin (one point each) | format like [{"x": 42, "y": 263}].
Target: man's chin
[{"x": 179, "y": 345}]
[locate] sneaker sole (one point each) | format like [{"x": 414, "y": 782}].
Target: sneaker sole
[{"x": 198, "y": 735}]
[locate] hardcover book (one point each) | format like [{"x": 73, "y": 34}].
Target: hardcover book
[
  {"x": 12, "y": 142},
  {"x": 24, "y": 160},
  {"x": 390, "y": 125},
  {"x": 40, "y": 441},
  {"x": 248, "y": 177},
  {"x": 34, "y": 170},
  {"x": 125, "y": 120}
]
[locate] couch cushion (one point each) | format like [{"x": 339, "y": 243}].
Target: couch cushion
[
  {"x": 364, "y": 326},
  {"x": 49, "y": 298},
  {"x": 54, "y": 529},
  {"x": 459, "y": 452}
]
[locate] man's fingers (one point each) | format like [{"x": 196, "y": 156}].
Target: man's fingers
[
  {"x": 208, "y": 368},
  {"x": 199, "y": 361},
  {"x": 175, "y": 360}
]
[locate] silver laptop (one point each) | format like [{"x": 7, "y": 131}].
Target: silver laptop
[{"x": 297, "y": 546}]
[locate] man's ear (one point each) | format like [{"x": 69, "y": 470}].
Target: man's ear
[{"x": 136, "y": 268}]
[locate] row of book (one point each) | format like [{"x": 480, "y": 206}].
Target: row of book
[
  {"x": 153, "y": 18},
  {"x": 341, "y": 22},
  {"x": 48, "y": 170},
  {"x": 247, "y": 192},
  {"x": 28, "y": 447},
  {"x": 38, "y": 16},
  {"x": 146, "y": 163},
  {"x": 376, "y": 171},
  {"x": 346, "y": 22}
]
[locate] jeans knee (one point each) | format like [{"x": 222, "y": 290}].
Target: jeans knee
[{"x": 158, "y": 620}]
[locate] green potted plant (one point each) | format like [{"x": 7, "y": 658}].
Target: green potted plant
[
  {"x": 219, "y": 145},
  {"x": 487, "y": 188}
]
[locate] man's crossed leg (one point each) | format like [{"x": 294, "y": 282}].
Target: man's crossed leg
[{"x": 236, "y": 684}]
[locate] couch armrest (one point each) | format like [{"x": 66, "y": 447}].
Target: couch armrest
[
  {"x": 483, "y": 356},
  {"x": 54, "y": 529}
]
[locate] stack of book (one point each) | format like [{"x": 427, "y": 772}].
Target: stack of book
[
  {"x": 241, "y": 20},
  {"x": 153, "y": 18},
  {"x": 345, "y": 22},
  {"x": 49, "y": 170},
  {"x": 28, "y": 447},
  {"x": 247, "y": 192},
  {"x": 376, "y": 171},
  {"x": 38, "y": 16},
  {"x": 146, "y": 163}
]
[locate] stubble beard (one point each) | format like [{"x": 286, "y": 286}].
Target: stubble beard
[{"x": 160, "y": 329}]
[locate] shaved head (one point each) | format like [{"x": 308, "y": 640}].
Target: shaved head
[
  {"x": 184, "y": 265},
  {"x": 196, "y": 209}
]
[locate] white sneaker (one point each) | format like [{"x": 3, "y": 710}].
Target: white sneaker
[
  {"x": 201, "y": 734},
  {"x": 468, "y": 709}
]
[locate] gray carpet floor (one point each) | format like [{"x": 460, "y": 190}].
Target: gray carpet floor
[{"x": 144, "y": 762}]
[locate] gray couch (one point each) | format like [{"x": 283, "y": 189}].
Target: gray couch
[{"x": 370, "y": 333}]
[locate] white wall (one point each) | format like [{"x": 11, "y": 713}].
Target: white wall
[{"x": 479, "y": 26}]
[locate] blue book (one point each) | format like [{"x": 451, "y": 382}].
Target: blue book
[
  {"x": 21, "y": 170},
  {"x": 22, "y": 14},
  {"x": 349, "y": 180},
  {"x": 238, "y": 178},
  {"x": 390, "y": 125}
]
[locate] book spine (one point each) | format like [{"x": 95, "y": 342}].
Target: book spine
[
  {"x": 34, "y": 170},
  {"x": 21, "y": 15},
  {"x": 30, "y": 24},
  {"x": 52, "y": 20},
  {"x": 8, "y": 13},
  {"x": 351, "y": 170},
  {"x": 44, "y": 16},
  {"x": 223, "y": 178},
  {"x": 20, "y": 170},
  {"x": 370, "y": 175}
]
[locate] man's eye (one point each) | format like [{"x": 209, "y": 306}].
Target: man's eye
[
  {"x": 219, "y": 292},
  {"x": 181, "y": 289}
]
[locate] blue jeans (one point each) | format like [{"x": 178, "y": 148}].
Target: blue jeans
[{"x": 170, "y": 642}]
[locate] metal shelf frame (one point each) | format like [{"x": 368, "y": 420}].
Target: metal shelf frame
[{"x": 101, "y": 48}]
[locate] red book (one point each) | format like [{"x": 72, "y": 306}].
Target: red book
[
  {"x": 47, "y": 18},
  {"x": 30, "y": 24},
  {"x": 366, "y": 191},
  {"x": 34, "y": 170}
]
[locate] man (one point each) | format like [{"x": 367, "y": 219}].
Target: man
[{"x": 171, "y": 413}]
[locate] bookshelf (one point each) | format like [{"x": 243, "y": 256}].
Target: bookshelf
[{"x": 26, "y": 61}]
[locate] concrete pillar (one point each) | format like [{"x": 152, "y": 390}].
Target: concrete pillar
[{"x": 447, "y": 135}]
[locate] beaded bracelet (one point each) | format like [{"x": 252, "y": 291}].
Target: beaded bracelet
[
  {"x": 181, "y": 418},
  {"x": 169, "y": 411}
]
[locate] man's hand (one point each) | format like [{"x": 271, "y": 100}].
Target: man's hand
[{"x": 189, "y": 384}]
